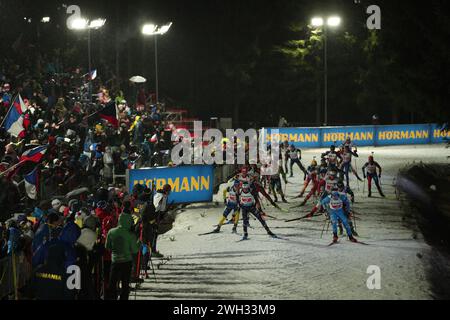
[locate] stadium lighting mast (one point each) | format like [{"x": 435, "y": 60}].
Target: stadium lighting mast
[
  {"x": 84, "y": 24},
  {"x": 331, "y": 22},
  {"x": 151, "y": 29}
]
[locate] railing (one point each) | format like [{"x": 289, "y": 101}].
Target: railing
[{"x": 15, "y": 271}]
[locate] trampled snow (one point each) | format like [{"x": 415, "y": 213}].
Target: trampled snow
[{"x": 302, "y": 266}]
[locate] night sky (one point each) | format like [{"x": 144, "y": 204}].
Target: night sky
[{"x": 224, "y": 58}]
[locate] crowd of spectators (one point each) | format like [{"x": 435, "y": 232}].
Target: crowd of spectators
[
  {"x": 68, "y": 223},
  {"x": 108, "y": 237}
]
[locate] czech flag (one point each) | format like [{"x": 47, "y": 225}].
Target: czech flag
[
  {"x": 110, "y": 114},
  {"x": 32, "y": 183},
  {"x": 35, "y": 155},
  {"x": 14, "y": 121}
]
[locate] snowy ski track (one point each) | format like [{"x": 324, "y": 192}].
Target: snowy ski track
[{"x": 302, "y": 266}]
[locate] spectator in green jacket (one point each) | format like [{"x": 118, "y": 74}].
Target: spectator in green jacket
[{"x": 123, "y": 245}]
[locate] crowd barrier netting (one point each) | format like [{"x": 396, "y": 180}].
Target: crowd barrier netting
[
  {"x": 370, "y": 135},
  {"x": 9, "y": 283}
]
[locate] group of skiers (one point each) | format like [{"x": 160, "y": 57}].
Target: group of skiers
[
  {"x": 329, "y": 184},
  {"x": 243, "y": 196}
]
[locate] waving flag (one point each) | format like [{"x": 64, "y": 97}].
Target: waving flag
[
  {"x": 14, "y": 119},
  {"x": 110, "y": 114},
  {"x": 32, "y": 183},
  {"x": 35, "y": 155}
]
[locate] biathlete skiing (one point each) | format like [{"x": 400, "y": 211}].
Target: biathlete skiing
[
  {"x": 295, "y": 155},
  {"x": 370, "y": 170},
  {"x": 248, "y": 204},
  {"x": 231, "y": 199}
]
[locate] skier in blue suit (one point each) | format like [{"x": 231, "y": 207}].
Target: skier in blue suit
[{"x": 335, "y": 204}]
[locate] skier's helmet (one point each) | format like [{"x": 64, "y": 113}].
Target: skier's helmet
[
  {"x": 292, "y": 147},
  {"x": 332, "y": 147},
  {"x": 245, "y": 187},
  {"x": 370, "y": 158},
  {"x": 313, "y": 163},
  {"x": 236, "y": 183}
]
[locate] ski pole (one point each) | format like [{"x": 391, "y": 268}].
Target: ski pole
[
  {"x": 356, "y": 170},
  {"x": 323, "y": 228},
  {"x": 151, "y": 264},
  {"x": 102, "y": 285},
  {"x": 263, "y": 207},
  {"x": 138, "y": 265}
]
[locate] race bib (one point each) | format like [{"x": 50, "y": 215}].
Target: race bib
[
  {"x": 336, "y": 204},
  {"x": 247, "y": 200},
  {"x": 232, "y": 198}
]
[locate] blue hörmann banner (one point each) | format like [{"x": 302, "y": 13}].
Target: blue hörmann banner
[
  {"x": 189, "y": 183},
  {"x": 382, "y": 135}
]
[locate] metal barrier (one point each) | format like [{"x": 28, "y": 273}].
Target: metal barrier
[{"x": 15, "y": 272}]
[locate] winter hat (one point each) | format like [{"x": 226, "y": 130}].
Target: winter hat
[
  {"x": 53, "y": 217},
  {"x": 56, "y": 203},
  {"x": 74, "y": 205},
  {"x": 21, "y": 218},
  {"x": 127, "y": 206},
  {"x": 102, "y": 204}
]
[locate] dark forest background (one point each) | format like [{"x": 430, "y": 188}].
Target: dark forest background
[{"x": 258, "y": 60}]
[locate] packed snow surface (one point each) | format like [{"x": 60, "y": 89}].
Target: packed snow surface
[{"x": 301, "y": 265}]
